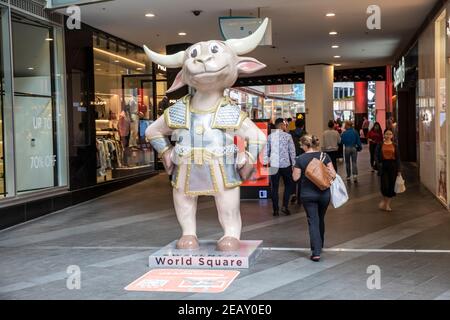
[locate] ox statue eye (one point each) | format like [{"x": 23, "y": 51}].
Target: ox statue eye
[
  {"x": 214, "y": 47},
  {"x": 195, "y": 52}
]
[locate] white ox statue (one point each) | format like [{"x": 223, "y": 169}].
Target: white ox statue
[{"x": 205, "y": 159}]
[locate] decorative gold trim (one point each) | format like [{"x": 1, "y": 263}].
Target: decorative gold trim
[
  {"x": 225, "y": 180},
  {"x": 242, "y": 116},
  {"x": 187, "y": 119},
  {"x": 202, "y": 192},
  {"x": 210, "y": 110},
  {"x": 159, "y": 136},
  {"x": 177, "y": 178},
  {"x": 164, "y": 150}
]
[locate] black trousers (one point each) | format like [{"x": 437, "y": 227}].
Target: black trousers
[
  {"x": 286, "y": 174},
  {"x": 333, "y": 156},
  {"x": 316, "y": 208},
  {"x": 372, "y": 148}
]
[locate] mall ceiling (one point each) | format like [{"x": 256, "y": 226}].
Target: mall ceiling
[{"x": 300, "y": 27}]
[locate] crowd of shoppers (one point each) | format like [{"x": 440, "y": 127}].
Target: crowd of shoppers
[{"x": 290, "y": 150}]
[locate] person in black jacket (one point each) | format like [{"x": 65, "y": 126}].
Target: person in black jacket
[
  {"x": 388, "y": 163},
  {"x": 315, "y": 201},
  {"x": 297, "y": 134}
]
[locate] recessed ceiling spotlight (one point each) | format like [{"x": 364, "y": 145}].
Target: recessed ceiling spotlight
[
  {"x": 97, "y": 64},
  {"x": 30, "y": 68},
  {"x": 335, "y": 46},
  {"x": 333, "y": 33},
  {"x": 337, "y": 57},
  {"x": 330, "y": 14},
  {"x": 116, "y": 61},
  {"x": 98, "y": 69},
  {"x": 338, "y": 64},
  {"x": 48, "y": 39},
  {"x": 149, "y": 15},
  {"x": 182, "y": 33},
  {"x": 139, "y": 69}
]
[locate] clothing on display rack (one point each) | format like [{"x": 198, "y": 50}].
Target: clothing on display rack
[
  {"x": 124, "y": 127},
  {"x": 109, "y": 154}
]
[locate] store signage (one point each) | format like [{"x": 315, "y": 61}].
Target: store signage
[
  {"x": 160, "y": 67},
  {"x": 399, "y": 74},
  {"x": 55, "y": 4},
  {"x": 206, "y": 257},
  {"x": 39, "y": 162}
]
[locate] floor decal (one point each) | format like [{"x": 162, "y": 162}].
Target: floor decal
[{"x": 184, "y": 280}]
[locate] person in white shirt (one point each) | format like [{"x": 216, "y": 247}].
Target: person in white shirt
[
  {"x": 331, "y": 140},
  {"x": 280, "y": 154}
]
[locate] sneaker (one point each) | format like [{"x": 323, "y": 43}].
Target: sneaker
[
  {"x": 276, "y": 213},
  {"x": 286, "y": 211},
  {"x": 355, "y": 178},
  {"x": 348, "y": 178}
]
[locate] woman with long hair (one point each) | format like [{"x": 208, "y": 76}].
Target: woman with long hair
[
  {"x": 388, "y": 163},
  {"x": 375, "y": 137},
  {"x": 314, "y": 200}
]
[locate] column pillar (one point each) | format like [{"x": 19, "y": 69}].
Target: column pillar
[
  {"x": 319, "y": 97},
  {"x": 380, "y": 103},
  {"x": 361, "y": 100}
]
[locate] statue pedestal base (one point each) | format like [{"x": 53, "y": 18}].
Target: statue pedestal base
[{"x": 206, "y": 257}]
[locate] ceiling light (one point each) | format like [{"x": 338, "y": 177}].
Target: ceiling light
[
  {"x": 335, "y": 46},
  {"x": 337, "y": 57},
  {"x": 48, "y": 39},
  {"x": 182, "y": 33},
  {"x": 139, "y": 69},
  {"x": 338, "y": 64},
  {"x": 116, "y": 61},
  {"x": 98, "y": 69},
  {"x": 30, "y": 68},
  {"x": 97, "y": 64},
  {"x": 149, "y": 15},
  {"x": 333, "y": 33},
  {"x": 330, "y": 14}
]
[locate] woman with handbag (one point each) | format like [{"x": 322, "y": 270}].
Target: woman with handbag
[
  {"x": 315, "y": 199},
  {"x": 388, "y": 163}
]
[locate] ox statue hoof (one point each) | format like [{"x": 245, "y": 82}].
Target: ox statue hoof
[
  {"x": 187, "y": 242},
  {"x": 228, "y": 244}
]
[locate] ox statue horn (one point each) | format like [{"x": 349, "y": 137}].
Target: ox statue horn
[
  {"x": 169, "y": 61},
  {"x": 247, "y": 44}
]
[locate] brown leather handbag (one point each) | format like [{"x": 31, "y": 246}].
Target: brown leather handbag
[{"x": 319, "y": 174}]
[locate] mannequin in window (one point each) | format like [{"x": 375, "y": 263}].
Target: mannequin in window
[
  {"x": 124, "y": 126},
  {"x": 134, "y": 123}
]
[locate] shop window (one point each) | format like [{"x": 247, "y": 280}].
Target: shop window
[
  {"x": 124, "y": 109},
  {"x": 39, "y": 110}
]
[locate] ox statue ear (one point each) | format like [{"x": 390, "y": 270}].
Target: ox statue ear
[
  {"x": 178, "y": 83},
  {"x": 249, "y": 65}
]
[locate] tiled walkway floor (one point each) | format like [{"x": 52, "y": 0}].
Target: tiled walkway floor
[{"x": 111, "y": 237}]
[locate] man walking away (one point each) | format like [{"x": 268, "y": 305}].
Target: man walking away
[
  {"x": 331, "y": 140},
  {"x": 280, "y": 153},
  {"x": 352, "y": 144}
]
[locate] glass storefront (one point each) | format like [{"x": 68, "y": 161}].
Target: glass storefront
[
  {"x": 270, "y": 102},
  {"x": 124, "y": 108},
  {"x": 33, "y": 124},
  {"x": 432, "y": 107}
]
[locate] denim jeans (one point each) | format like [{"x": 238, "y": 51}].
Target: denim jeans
[{"x": 351, "y": 158}]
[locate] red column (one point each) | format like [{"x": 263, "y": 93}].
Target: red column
[{"x": 360, "y": 103}]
